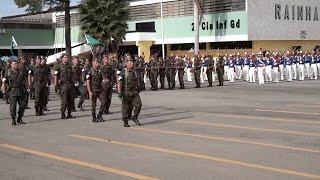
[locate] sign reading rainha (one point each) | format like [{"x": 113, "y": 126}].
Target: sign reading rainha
[{"x": 293, "y": 12}]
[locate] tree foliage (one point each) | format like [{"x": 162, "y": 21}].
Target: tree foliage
[{"x": 106, "y": 20}]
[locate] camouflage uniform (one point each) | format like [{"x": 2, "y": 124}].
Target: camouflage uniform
[
  {"x": 130, "y": 96},
  {"x": 96, "y": 79},
  {"x": 197, "y": 70},
  {"x": 220, "y": 71},
  {"x": 181, "y": 66},
  {"x": 40, "y": 81},
  {"x": 84, "y": 94},
  {"x": 170, "y": 70},
  {"x": 78, "y": 83},
  {"x": 140, "y": 65},
  {"x": 107, "y": 85},
  {"x": 210, "y": 71},
  {"x": 162, "y": 73},
  {"x": 47, "y": 89},
  {"x": 17, "y": 89},
  {"x": 66, "y": 88}
]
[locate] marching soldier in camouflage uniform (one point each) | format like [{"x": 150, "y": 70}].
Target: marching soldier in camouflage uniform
[
  {"x": 23, "y": 68},
  {"x": 31, "y": 94},
  {"x": 154, "y": 65},
  {"x": 16, "y": 83},
  {"x": 140, "y": 67},
  {"x": 197, "y": 70},
  {"x": 181, "y": 66},
  {"x": 169, "y": 68},
  {"x": 84, "y": 94},
  {"x": 107, "y": 82},
  {"x": 95, "y": 89},
  {"x": 65, "y": 85},
  {"x": 210, "y": 70},
  {"x": 162, "y": 72},
  {"x": 38, "y": 77},
  {"x": 128, "y": 89},
  {"x": 220, "y": 70},
  {"x": 48, "y": 77},
  {"x": 77, "y": 80}
]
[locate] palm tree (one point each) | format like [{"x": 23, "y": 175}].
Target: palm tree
[{"x": 105, "y": 20}]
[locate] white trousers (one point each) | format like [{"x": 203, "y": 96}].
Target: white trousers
[
  {"x": 226, "y": 72},
  {"x": 268, "y": 73},
  {"x": 238, "y": 72},
  {"x": 204, "y": 73},
  {"x": 307, "y": 70},
  {"x": 314, "y": 71},
  {"x": 294, "y": 71},
  {"x": 245, "y": 72},
  {"x": 231, "y": 74},
  {"x": 260, "y": 75},
  {"x": 289, "y": 73},
  {"x": 281, "y": 72},
  {"x": 189, "y": 77},
  {"x": 252, "y": 75},
  {"x": 301, "y": 72},
  {"x": 318, "y": 66},
  {"x": 275, "y": 74}
]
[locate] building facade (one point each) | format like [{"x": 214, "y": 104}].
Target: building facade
[{"x": 226, "y": 26}]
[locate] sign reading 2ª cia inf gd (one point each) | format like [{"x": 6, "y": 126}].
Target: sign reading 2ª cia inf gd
[{"x": 219, "y": 25}]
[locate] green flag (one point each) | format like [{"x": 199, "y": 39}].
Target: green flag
[
  {"x": 92, "y": 41},
  {"x": 13, "y": 44}
]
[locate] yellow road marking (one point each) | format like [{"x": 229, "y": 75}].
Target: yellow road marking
[
  {"x": 228, "y": 139},
  {"x": 303, "y": 106},
  {"x": 200, "y": 156},
  {"x": 268, "y": 118},
  {"x": 77, "y": 162},
  {"x": 250, "y": 128},
  {"x": 290, "y": 112}
]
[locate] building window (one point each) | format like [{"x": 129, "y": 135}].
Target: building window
[
  {"x": 231, "y": 45},
  {"x": 145, "y": 27},
  {"x": 187, "y": 46}
]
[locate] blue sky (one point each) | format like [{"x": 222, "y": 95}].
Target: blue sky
[{"x": 8, "y": 7}]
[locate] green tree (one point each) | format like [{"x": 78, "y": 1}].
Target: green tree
[
  {"x": 105, "y": 20},
  {"x": 36, "y": 6}
]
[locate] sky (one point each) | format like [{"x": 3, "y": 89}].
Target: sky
[{"x": 9, "y": 8}]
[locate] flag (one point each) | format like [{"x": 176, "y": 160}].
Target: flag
[
  {"x": 92, "y": 41},
  {"x": 200, "y": 8},
  {"x": 191, "y": 50},
  {"x": 13, "y": 44}
]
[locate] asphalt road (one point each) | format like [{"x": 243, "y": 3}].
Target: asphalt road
[{"x": 239, "y": 131}]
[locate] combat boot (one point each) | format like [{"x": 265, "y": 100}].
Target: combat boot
[
  {"x": 70, "y": 116},
  {"x": 125, "y": 123},
  {"x": 135, "y": 120},
  {"x": 19, "y": 120},
  {"x": 80, "y": 107},
  {"x": 100, "y": 118},
  {"x": 94, "y": 119},
  {"x": 14, "y": 121},
  {"x": 41, "y": 112},
  {"x": 63, "y": 115},
  {"x": 45, "y": 108},
  {"x": 37, "y": 111}
]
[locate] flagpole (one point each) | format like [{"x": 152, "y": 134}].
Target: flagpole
[
  {"x": 196, "y": 28},
  {"x": 162, "y": 29}
]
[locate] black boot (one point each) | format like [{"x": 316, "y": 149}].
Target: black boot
[
  {"x": 37, "y": 111},
  {"x": 94, "y": 119},
  {"x": 125, "y": 123},
  {"x": 135, "y": 120},
  {"x": 74, "y": 109},
  {"x": 63, "y": 115},
  {"x": 14, "y": 121},
  {"x": 80, "y": 107},
  {"x": 100, "y": 118},
  {"x": 45, "y": 108},
  {"x": 41, "y": 112},
  {"x": 27, "y": 107},
  {"x": 70, "y": 116},
  {"x": 19, "y": 120}
]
